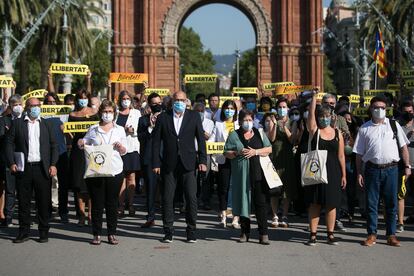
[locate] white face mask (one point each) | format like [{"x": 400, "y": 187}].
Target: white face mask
[
  {"x": 107, "y": 117},
  {"x": 295, "y": 118},
  {"x": 17, "y": 110},
  {"x": 126, "y": 103},
  {"x": 378, "y": 113},
  {"x": 93, "y": 106},
  {"x": 305, "y": 114}
]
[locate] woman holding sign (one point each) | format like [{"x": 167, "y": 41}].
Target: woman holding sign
[
  {"x": 227, "y": 124},
  {"x": 82, "y": 113},
  {"x": 244, "y": 148},
  {"x": 104, "y": 189},
  {"x": 128, "y": 118}
]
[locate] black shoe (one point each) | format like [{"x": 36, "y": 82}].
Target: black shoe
[
  {"x": 168, "y": 238},
  {"x": 21, "y": 238},
  {"x": 64, "y": 218},
  {"x": 206, "y": 207},
  {"x": 6, "y": 223},
  {"x": 191, "y": 237},
  {"x": 43, "y": 238}
]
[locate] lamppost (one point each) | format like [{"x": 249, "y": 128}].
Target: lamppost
[{"x": 237, "y": 54}]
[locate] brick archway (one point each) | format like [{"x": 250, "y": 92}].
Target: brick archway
[{"x": 288, "y": 47}]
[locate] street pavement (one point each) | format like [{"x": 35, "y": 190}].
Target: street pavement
[{"x": 216, "y": 252}]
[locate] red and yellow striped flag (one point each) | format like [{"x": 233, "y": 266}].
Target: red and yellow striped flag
[{"x": 379, "y": 55}]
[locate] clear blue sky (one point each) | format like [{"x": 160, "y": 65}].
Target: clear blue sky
[{"x": 223, "y": 27}]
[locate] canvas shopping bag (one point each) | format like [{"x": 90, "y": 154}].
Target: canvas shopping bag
[
  {"x": 313, "y": 164},
  {"x": 98, "y": 161}
]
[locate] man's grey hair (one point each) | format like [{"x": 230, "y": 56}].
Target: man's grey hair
[
  {"x": 328, "y": 96},
  {"x": 16, "y": 98}
]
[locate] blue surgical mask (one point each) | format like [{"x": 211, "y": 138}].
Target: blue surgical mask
[
  {"x": 282, "y": 111},
  {"x": 324, "y": 122},
  {"x": 83, "y": 102},
  {"x": 247, "y": 125},
  {"x": 229, "y": 113},
  {"x": 251, "y": 106},
  {"x": 179, "y": 106},
  {"x": 35, "y": 112}
]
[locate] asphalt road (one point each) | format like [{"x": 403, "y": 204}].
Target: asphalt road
[{"x": 216, "y": 252}]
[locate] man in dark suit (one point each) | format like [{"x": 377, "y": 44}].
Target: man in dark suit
[
  {"x": 32, "y": 140},
  {"x": 177, "y": 130},
  {"x": 16, "y": 109},
  {"x": 146, "y": 126}
]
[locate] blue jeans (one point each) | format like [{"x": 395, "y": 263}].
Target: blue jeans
[{"x": 384, "y": 182}]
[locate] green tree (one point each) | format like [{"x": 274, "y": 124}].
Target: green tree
[
  {"x": 328, "y": 84},
  {"x": 247, "y": 70},
  {"x": 195, "y": 60}
]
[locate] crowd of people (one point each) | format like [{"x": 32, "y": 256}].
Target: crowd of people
[{"x": 161, "y": 142}]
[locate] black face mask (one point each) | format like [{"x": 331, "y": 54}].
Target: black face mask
[
  {"x": 407, "y": 116},
  {"x": 156, "y": 108}
]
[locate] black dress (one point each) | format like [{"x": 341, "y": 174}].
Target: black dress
[
  {"x": 327, "y": 194},
  {"x": 77, "y": 157},
  {"x": 131, "y": 160}
]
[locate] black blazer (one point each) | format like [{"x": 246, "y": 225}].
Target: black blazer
[
  {"x": 145, "y": 139},
  {"x": 5, "y": 124},
  {"x": 178, "y": 146},
  {"x": 17, "y": 140}
]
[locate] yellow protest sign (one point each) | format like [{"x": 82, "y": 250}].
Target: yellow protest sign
[
  {"x": 363, "y": 112},
  {"x": 191, "y": 78},
  {"x": 223, "y": 99},
  {"x": 6, "y": 82},
  {"x": 71, "y": 127},
  {"x": 69, "y": 69},
  {"x": 354, "y": 98},
  {"x": 128, "y": 77},
  {"x": 272, "y": 86},
  {"x": 372, "y": 93},
  {"x": 215, "y": 147},
  {"x": 160, "y": 91},
  {"x": 244, "y": 90},
  {"x": 393, "y": 87},
  {"x": 409, "y": 83},
  {"x": 293, "y": 89},
  {"x": 367, "y": 100},
  {"x": 39, "y": 93},
  {"x": 407, "y": 74},
  {"x": 53, "y": 110},
  {"x": 320, "y": 95}
]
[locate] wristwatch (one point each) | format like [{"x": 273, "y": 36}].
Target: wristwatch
[{"x": 408, "y": 166}]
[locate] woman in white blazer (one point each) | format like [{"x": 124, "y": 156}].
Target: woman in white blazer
[
  {"x": 128, "y": 118},
  {"x": 228, "y": 123}
]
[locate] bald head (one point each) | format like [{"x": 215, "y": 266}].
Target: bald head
[
  {"x": 180, "y": 95},
  {"x": 32, "y": 102}
]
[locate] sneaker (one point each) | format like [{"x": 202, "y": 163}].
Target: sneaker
[
  {"x": 223, "y": 222},
  {"x": 191, "y": 237},
  {"x": 275, "y": 222},
  {"x": 168, "y": 238},
  {"x": 6, "y": 223},
  {"x": 312, "y": 241},
  {"x": 400, "y": 228},
  {"x": 331, "y": 240},
  {"x": 339, "y": 226},
  {"x": 64, "y": 218},
  {"x": 284, "y": 222}
]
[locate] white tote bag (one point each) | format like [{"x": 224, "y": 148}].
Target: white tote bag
[
  {"x": 272, "y": 178},
  {"x": 313, "y": 164},
  {"x": 98, "y": 161}
]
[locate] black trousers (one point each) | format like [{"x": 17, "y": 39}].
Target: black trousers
[
  {"x": 104, "y": 193},
  {"x": 223, "y": 186},
  {"x": 259, "y": 200},
  {"x": 189, "y": 185},
  {"x": 151, "y": 180},
  {"x": 34, "y": 178},
  {"x": 10, "y": 195},
  {"x": 63, "y": 178}
]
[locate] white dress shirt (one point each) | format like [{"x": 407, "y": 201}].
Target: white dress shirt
[
  {"x": 97, "y": 136},
  {"x": 375, "y": 142},
  {"x": 34, "y": 139},
  {"x": 178, "y": 120}
]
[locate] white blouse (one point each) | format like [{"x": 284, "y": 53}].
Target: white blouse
[{"x": 97, "y": 136}]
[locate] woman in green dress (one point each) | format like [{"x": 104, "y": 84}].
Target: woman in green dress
[{"x": 244, "y": 148}]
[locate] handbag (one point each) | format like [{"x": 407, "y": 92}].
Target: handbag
[
  {"x": 98, "y": 161},
  {"x": 313, "y": 164}
]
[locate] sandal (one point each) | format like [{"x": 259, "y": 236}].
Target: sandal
[
  {"x": 312, "y": 239},
  {"x": 96, "y": 240},
  {"x": 112, "y": 240},
  {"x": 331, "y": 239}
]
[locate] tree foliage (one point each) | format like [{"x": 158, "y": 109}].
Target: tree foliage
[
  {"x": 328, "y": 83},
  {"x": 195, "y": 60},
  {"x": 247, "y": 70}
]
